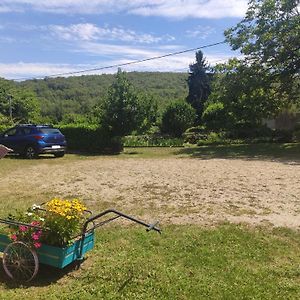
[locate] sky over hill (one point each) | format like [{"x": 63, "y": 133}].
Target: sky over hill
[{"x": 43, "y": 38}]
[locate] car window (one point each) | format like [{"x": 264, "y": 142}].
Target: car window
[
  {"x": 49, "y": 130},
  {"x": 20, "y": 131},
  {"x": 11, "y": 132},
  {"x": 26, "y": 131}
]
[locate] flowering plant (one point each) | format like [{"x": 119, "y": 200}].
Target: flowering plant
[
  {"x": 57, "y": 223},
  {"x": 30, "y": 235},
  {"x": 63, "y": 219}
]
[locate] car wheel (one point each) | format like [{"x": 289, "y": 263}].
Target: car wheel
[
  {"x": 30, "y": 152},
  {"x": 59, "y": 154}
]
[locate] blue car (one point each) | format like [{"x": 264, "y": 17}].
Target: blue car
[{"x": 31, "y": 140}]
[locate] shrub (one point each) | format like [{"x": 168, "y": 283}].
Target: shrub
[
  {"x": 177, "y": 117},
  {"x": 296, "y": 136},
  {"x": 194, "y": 134},
  {"x": 249, "y": 131},
  {"x": 90, "y": 138},
  {"x": 214, "y": 116},
  {"x": 283, "y": 136},
  {"x": 152, "y": 141}
]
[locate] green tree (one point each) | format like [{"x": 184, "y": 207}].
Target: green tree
[
  {"x": 120, "y": 112},
  {"x": 269, "y": 37},
  {"x": 23, "y": 102},
  {"x": 215, "y": 116},
  {"x": 177, "y": 117},
  {"x": 147, "y": 113},
  {"x": 199, "y": 84},
  {"x": 239, "y": 96}
]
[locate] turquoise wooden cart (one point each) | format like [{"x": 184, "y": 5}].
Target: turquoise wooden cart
[{"x": 21, "y": 262}]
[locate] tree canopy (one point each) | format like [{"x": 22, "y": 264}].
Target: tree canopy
[
  {"x": 20, "y": 101},
  {"x": 239, "y": 97},
  {"x": 177, "y": 117},
  {"x": 121, "y": 109},
  {"x": 269, "y": 38}
]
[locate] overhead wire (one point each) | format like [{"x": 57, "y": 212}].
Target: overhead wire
[{"x": 122, "y": 64}]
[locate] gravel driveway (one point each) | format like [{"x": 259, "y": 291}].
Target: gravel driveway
[{"x": 172, "y": 190}]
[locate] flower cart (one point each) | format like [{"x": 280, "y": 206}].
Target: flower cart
[{"x": 23, "y": 247}]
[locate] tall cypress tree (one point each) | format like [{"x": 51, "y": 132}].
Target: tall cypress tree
[{"x": 199, "y": 85}]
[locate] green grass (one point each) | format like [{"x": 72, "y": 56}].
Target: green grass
[
  {"x": 289, "y": 151},
  {"x": 185, "y": 262},
  {"x": 284, "y": 152}
]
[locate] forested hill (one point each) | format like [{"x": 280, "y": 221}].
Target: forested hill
[{"x": 60, "y": 96}]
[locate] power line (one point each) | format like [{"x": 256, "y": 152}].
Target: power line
[{"x": 124, "y": 64}]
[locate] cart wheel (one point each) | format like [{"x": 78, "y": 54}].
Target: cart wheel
[{"x": 20, "y": 262}]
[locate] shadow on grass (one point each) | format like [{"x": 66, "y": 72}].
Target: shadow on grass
[
  {"x": 280, "y": 152},
  {"x": 46, "y": 275}
]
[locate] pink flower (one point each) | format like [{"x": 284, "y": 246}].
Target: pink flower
[
  {"x": 36, "y": 235},
  {"x": 37, "y": 245},
  {"x": 23, "y": 228},
  {"x": 35, "y": 223},
  {"x": 14, "y": 237}
]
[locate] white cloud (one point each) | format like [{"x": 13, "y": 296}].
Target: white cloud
[
  {"x": 6, "y": 9},
  {"x": 213, "y": 9},
  {"x": 91, "y": 32},
  {"x": 7, "y": 40},
  {"x": 177, "y": 63},
  {"x": 164, "y": 8},
  {"x": 112, "y": 50},
  {"x": 30, "y": 70},
  {"x": 201, "y": 32}
]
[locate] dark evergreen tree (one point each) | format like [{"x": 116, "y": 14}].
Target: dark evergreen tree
[{"x": 199, "y": 85}]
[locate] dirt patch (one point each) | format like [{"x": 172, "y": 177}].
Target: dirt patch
[{"x": 172, "y": 190}]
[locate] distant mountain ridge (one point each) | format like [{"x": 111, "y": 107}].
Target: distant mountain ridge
[{"x": 78, "y": 94}]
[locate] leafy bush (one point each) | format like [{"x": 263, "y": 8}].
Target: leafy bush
[
  {"x": 194, "y": 134},
  {"x": 249, "y": 131},
  {"x": 152, "y": 141},
  {"x": 177, "y": 117},
  {"x": 214, "y": 116},
  {"x": 90, "y": 138},
  {"x": 282, "y": 136}
]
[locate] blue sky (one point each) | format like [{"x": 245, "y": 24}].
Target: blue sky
[{"x": 41, "y": 38}]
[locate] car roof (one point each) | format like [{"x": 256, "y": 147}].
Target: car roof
[{"x": 35, "y": 125}]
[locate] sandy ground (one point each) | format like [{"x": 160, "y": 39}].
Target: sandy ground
[{"x": 175, "y": 190}]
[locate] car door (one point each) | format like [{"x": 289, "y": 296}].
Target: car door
[
  {"x": 15, "y": 139},
  {"x": 8, "y": 139}
]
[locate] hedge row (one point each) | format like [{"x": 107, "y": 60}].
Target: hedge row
[
  {"x": 90, "y": 138},
  {"x": 152, "y": 141}
]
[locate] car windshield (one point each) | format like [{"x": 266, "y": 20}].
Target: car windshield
[{"x": 49, "y": 131}]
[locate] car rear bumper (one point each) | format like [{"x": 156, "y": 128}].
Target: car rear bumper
[{"x": 52, "y": 150}]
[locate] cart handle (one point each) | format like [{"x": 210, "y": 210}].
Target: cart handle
[
  {"x": 119, "y": 214},
  {"x": 17, "y": 223}
]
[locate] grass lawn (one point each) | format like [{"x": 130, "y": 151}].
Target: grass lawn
[
  {"x": 185, "y": 262},
  {"x": 290, "y": 151}
]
